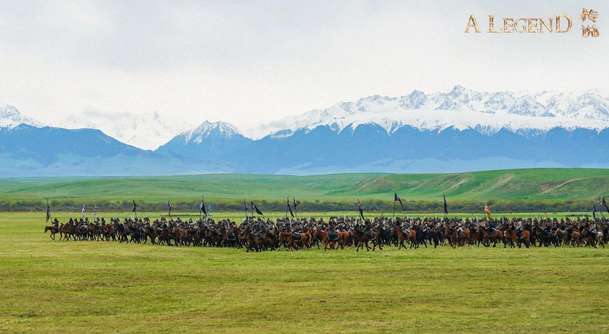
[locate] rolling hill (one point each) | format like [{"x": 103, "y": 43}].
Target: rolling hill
[{"x": 524, "y": 189}]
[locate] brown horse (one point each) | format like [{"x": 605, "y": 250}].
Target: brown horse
[
  {"x": 344, "y": 239},
  {"x": 509, "y": 237},
  {"x": 53, "y": 229},
  {"x": 400, "y": 236},
  {"x": 329, "y": 244},
  {"x": 467, "y": 236},
  {"x": 361, "y": 239},
  {"x": 180, "y": 236},
  {"x": 66, "y": 231},
  {"x": 285, "y": 239},
  {"x": 492, "y": 236},
  {"x": 575, "y": 237},
  {"x": 525, "y": 238},
  {"x": 306, "y": 238},
  {"x": 412, "y": 237}
]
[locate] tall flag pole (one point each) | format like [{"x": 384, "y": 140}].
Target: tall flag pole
[
  {"x": 48, "y": 215},
  {"x": 445, "y": 205},
  {"x": 254, "y": 207},
  {"x": 360, "y": 209},
  {"x": 203, "y": 206},
  {"x": 202, "y": 209},
  {"x": 295, "y": 204},
  {"x": 134, "y": 209},
  {"x": 169, "y": 209},
  {"x": 289, "y": 208},
  {"x": 396, "y": 198}
]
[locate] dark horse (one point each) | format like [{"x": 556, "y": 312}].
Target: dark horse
[
  {"x": 361, "y": 237},
  {"x": 53, "y": 229}
]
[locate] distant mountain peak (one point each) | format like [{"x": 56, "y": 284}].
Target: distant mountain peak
[
  {"x": 144, "y": 130},
  {"x": 459, "y": 107},
  {"x": 458, "y": 90},
  {"x": 10, "y": 117},
  {"x": 209, "y": 129}
]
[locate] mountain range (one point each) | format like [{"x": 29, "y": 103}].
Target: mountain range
[{"x": 456, "y": 130}]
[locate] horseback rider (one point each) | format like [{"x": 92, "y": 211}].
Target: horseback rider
[
  {"x": 332, "y": 233},
  {"x": 367, "y": 226}
]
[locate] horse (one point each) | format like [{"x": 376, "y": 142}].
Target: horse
[
  {"x": 400, "y": 236},
  {"x": 361, "y": 238},
  {"x": 330, "y": 242},
  {"x": 524, "y": 238},
  {"x": 53, "y": 229},
  {"x": 412, "y": 237}
]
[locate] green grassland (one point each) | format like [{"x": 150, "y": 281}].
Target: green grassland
[
  {"x": 559, "y": 189},
  {"x": 106, "y": 287}
]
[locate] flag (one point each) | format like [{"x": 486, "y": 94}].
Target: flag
[
  {"x": 487, "y": 211},
  {"x": 202, "y": 208},
  {"x": 169, "y": 208},
  {"x": 605, "y": 204},
  {"x": 245, "y": 208},
  {"x": 254, "y": 207},
  {"x": 397, "y": 198},
  {"x": 134, "y": 207},
  {"x": 445, "y": 205},
  {"x": 290, "y": 208},
  {"x": 48, "y": 217},
  {"x": 593, "y": 211},
  {"x": 360, "y": 209}
]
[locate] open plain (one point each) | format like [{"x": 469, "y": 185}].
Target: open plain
[{"x": 98, "y": 287}]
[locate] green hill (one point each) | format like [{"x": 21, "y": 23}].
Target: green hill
[{"x": 545, "y": 186}]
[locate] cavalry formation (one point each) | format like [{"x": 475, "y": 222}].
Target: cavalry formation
[{"x": 258, "y": 234}]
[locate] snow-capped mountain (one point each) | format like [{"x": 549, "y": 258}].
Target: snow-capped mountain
[
  {"x": 460, "y": 108},
  {"x": 209, "y": 129},
  {"x": 210, "y": 143},
  {"x": 457, "y": 130},
  {"x": 147, "y": 131},
  {"x": 10, "y": 117}
]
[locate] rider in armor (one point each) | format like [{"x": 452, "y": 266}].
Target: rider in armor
[{"x": 332, "y": 234}]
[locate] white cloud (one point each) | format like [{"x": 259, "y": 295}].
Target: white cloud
[{"x": 250, "y": 62}]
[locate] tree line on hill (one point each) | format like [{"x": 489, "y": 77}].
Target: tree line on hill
[{"x": 371, "y": 206}]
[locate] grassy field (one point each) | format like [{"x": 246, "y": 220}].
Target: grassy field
[
  {"x": 523, "y": 184},
  {"x": 99, "y": 287}
]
